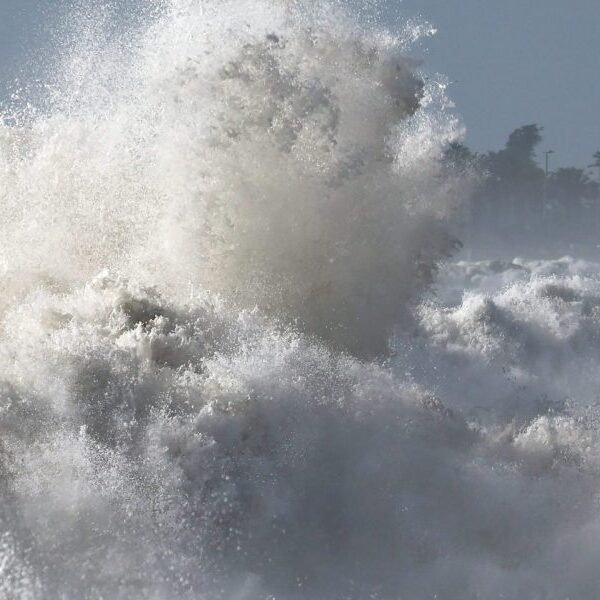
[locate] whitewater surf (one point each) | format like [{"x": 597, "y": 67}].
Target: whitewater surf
[{"x": 230, "y": 363}]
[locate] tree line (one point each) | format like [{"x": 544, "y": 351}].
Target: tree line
[{"x": 517, "y": 196}]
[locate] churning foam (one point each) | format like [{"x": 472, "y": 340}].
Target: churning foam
[{"x": 209, "y": 223}]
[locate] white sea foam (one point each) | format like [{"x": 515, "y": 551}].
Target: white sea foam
[{"x": 210, "y": 225}]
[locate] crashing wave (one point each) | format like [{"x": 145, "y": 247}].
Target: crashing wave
[{"x": 209, "y": 227}]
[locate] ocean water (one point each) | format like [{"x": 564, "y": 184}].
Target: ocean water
[{"x": 241, "y": 356}]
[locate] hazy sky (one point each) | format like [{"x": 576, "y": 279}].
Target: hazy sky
[
  {"x": 515, "y": 62},
  {"x": 520, "y": 62}
]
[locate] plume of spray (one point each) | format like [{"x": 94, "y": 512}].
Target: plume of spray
[{"x": 278, "y": 155}]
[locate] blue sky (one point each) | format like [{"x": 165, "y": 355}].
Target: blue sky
[
  {"x": 519, "y": 62},
  {"x": 514, "y": 61}
]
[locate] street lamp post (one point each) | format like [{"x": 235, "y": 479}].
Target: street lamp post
[
  {"x": 545, "y": 207},
  {"x": 547, "y": 153},
  {"x": 596, "y": 165}
]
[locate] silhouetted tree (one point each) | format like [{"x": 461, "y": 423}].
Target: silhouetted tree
[
  {"x": 574, "y": 199},
  {"x": 514, "y": 185},
  {"x": 523, "y": 141},
  {"x": 513, "y": 171},
  {"x": 570, "y": 185}
]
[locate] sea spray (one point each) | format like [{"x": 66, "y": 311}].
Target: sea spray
[
  {"x": 210, "y": 223},
  {"x": 283, "y": 157}
]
